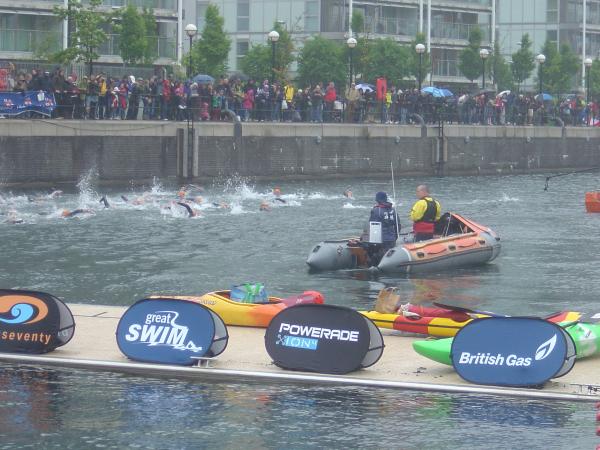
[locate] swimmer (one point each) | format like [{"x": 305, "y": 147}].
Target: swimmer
[
  {"x": 348, "y": 194},
  {"x": 191, "y": 212},
  {"x": 138, "y": 201},
  {"x": 264, "y": 206},
  {"x": 198, "y": 200},
  {"x": 66, "y": 213},
  {"x": 12, "y": 217},
  {"x": 56, "y": 194},
  {"x": 277, "y": 194},
  {"x": 105, "y": 201},
  {"x": 124, "y": 198}
]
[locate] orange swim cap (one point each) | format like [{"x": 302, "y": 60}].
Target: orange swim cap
[{"x": 316, "y": 295}]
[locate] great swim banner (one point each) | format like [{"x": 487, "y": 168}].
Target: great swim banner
[
  {"x": 323, "y": 338},
  {"x": 33, "y": 322},
  {"x": 15, "y": 103},
  {"x": 512, "y": 351},
  {"x": 170, "y": 331}
]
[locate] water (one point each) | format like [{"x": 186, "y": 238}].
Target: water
[
  {"x": 59, "y": 409},
  {"x": 123, "y": 253}
]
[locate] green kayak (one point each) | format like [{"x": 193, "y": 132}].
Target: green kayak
[{"x": 585, "y": 335}]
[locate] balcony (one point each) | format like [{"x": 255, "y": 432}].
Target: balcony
[
  {"x": 394, "y": 26},
  {"x": 457, "y": 31},
  {"x": 446, "y": 68},
  {"x": 165, "y": 47},
  {"x": 30, "y": 40},
  {"x": 170, "y": 5}
]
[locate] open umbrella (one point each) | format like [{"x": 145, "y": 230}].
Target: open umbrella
[
  {"x": 545, "y": 97},
  {"x": 365, "y": 87},
  {"x": 433, "y": 91},
  {"x": 203, "y": 79},
  {"x": 446, "y": 93},
  {"x": 503, "y": 94}
]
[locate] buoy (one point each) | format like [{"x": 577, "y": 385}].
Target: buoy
[
  {"x": 592, "y": 202},
  {"x": 598, "y": 416}
]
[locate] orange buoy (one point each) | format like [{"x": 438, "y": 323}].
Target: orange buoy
[{"x": 592, "y": 202}]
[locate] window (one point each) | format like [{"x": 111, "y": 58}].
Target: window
[
  {"x": 552, "y": 35},
  {"x": 552, "y": 11},
  {"x": 311, "y": 16},
  {"x": 200, "y": 13},
  {"x": 243, "y": 15},
  {"x": 242, "y": 49}
]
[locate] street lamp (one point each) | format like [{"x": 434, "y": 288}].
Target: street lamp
[
  {"x": 351, "y": 42},
  {"x": 483, "y": 54},
  {"x": 587, "y": 62},
  {"x": 273, "y": 37},
  {"x": 420, "y": 49},
  {"x": 190, "y": 30},
  {"x": 541, "y": 59}
]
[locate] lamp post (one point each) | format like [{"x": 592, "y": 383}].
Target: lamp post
[
  {"x": 273, "y": 37},
  {"x": 483, "y": 54},
  {"x": 541, "y": 59},
  {"x": 587, "y": 62},
  {"x": 420, "y": 49},
  {"x": 351, "y": 42},
  {"x": 190, "y": 30}
]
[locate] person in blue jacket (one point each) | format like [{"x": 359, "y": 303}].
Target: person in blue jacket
[{"x": 384, "y": 213}]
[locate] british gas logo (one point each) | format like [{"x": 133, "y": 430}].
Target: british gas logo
[
  {"x": 22, "y": 310},
  {"x": 545, "y": 349}
]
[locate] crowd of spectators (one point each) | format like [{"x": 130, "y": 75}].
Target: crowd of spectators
[{"x": 101, "y": 97}]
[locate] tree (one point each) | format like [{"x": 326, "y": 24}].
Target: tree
[
  {"x": 559, "y": 69},
  {"x": 132, "y": 35},
  {"x": 88, "y": 32},
  {"x": 210, "y": 52},
  {"x": 500, "y": 70},
  {"x": 382, "y": 58},
  {"x": 151, "y": 34},
  {"x": 425, "y": 58},
  {"x": 257, "y": 62},
  {"x": 523, "y": 61},
  {"x": 594, "y": 78},
  {"x": 469, "y": 60},
  {"x": 321, "y": 60},
  {"x": 358, "y": 21}
]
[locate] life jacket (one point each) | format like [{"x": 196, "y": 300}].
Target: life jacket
[
  {"x": 386, "y": 214},
  {"x": 426, "y": 224}
]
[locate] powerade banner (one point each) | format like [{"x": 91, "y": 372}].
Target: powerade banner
[
  {"x": 170, "y": 331},
  {"x": 512, "y": 351},
  {"x": 15, "y": 103},
  {"x": 323, "y": 338},
  {"x": 33, "y": 322}
]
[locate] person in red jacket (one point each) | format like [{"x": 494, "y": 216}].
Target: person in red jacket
[{"x": 330, "y": 98}]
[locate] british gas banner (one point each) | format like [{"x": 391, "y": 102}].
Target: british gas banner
[
  {"x": 323, "y": 338},
  {"x": 170, "y": 331},
  {"x": 512, "y": 351},
  {"x": 15, "y": 103},
  {"x": 33, "y": 322}
]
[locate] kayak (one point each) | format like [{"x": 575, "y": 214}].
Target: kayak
[
  {"x": 441, "y": 326},
  {"x": 249, "y": 314},
  {"x": 585, "y": 335},
  {"x": 459, "y": 243}
]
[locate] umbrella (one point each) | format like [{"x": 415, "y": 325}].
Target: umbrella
[
  {"x": 435, "y": 92},
  {"x": 545, "y": 97},
  {"x": 239, "y": 76},
  {"x": 447, "y": 93},
  {"x": 365, "y": 87},
  {"x": 203, "y": 79},
  {"x": 503, "y": 94}
]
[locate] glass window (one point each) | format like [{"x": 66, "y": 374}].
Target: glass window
[
  {"x": 243, "y": 15},
  {"x": 200, "y": 13},
  {"x": 311, "y": 15}
]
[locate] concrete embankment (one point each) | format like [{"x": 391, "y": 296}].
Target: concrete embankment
[
  {"x": 58, "y": 151},
  {"x": 94, "y": 347}
]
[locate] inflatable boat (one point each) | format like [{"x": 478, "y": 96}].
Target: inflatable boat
[
  {"x": 458, "y": 242},
  {"x": 585, "y": 335},
  {"x": 439, "y": 326},
  {"x": 249, "y": 314}
]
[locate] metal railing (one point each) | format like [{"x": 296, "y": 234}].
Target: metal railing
[
  {"x": 165, "y": 47},
  {"x": 394, "y": 25},
  {"x": 150, "y": 4},
  {"x": 462, "y": 31},
  {"x": 29, "y": 40}
]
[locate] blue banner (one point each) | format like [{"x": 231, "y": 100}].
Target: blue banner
[
  {"x": 15, "y": 103},
  {"x": 169, "y": 331},
  {"x": 512, "y": 351}
]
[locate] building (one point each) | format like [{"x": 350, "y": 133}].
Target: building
[
  {"x": 560, "y": 21},
  {"x": 28, "y": 27},
  {"x": 249, "y": 21}
]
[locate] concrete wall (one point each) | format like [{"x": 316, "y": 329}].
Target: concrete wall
[{"x": 61, "y": 151}]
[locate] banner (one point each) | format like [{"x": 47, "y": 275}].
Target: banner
[
  {"x": 170, "y": 331},
  {"x": 33, "y": 322},
  {"x": 323, "y": 338},
  {"x": 15, "y": 103},
  {"x": 512, "y": 351}
]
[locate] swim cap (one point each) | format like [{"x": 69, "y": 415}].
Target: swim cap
[{"x": 381, "y": 197}]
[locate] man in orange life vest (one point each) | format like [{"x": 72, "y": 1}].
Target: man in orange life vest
[{"x": 425, "y": 212}]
